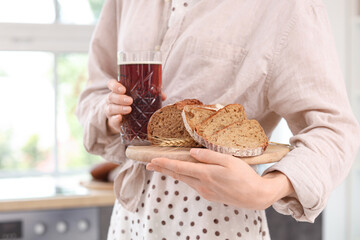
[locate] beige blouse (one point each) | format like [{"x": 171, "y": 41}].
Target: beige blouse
[{"x": 276, "y": 58}]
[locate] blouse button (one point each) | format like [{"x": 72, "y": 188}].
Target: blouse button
[{"x": 157, "y": 48}]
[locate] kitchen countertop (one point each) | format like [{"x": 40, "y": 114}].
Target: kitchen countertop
[{"x": 40, "y": 193}]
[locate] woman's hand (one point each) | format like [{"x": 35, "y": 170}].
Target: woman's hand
[
  {"x": 226, "y": 179},
  {"x": 117, "y": 105}
]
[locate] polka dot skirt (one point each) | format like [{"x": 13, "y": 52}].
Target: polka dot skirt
[{"x": 169, "y": 210}]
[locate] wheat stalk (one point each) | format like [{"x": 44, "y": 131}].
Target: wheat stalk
[{"x": 175, "y": 142}]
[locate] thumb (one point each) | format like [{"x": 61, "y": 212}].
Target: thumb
[{"x": 209, "y": 156}]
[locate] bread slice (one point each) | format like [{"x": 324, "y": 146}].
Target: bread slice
[
  {"x": 194, "y": 115},
  {"x": 166, "y": 124},
  {"x": 224, "y": 117},
  {"x": 242, "y": 138}
]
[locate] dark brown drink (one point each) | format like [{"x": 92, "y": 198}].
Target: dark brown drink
[{"x": 143, "y": 83}]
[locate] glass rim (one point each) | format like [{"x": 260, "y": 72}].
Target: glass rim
[{"x": 143, "y": 57}]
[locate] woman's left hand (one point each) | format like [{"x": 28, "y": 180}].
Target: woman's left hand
[{"x": 226, "y": 179}]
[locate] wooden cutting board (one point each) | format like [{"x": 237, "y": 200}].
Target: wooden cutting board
[{"x": 273, "y": 153}]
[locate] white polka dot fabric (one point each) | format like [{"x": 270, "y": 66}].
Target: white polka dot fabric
[
  {"x": 169, "y": 210},
  {"x": 179, "y": 8}
]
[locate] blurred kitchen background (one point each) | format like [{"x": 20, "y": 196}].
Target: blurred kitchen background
[{"x": 43, "y": 68}]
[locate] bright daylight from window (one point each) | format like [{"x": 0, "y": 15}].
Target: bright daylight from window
[{"x": 39, "y": 132}]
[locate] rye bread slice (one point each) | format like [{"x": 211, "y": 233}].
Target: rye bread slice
[
  {"x": 194, "y": 115},
  {"x": 224, "y": 117},
  {"x": 166, "y": 123},
  {"x": 243, "y": 138}
]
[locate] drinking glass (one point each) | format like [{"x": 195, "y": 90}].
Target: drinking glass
[{"x": 140, "y": 73}]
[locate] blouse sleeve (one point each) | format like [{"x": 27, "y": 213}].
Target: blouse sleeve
[
  {"x": 307, "y": 89},
  {"x": 91, "y": 105}
]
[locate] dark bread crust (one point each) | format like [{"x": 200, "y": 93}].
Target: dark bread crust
[{"x": 180, "y": 105}]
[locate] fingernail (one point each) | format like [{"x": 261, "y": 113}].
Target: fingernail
[
  {"x": 127, "y": 100},
  {"x": 194, "y": 151},
  {"x": 150, "y": 167},
  {"x": 126, "y": 108},
  {"x": 122, "y": 89}
]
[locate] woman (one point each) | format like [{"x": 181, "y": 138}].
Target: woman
[{"x": 277, "y": 59}]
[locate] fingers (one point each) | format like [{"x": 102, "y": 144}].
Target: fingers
[
  {"x": 113, "y": 109},
  {"x": 116, "y": 87},
  {"x": 119, "y": 99},
  {"x": 117, "y": 104},
  {"x": 208, "y": 156},
  {"x": 179, "y": 167}
]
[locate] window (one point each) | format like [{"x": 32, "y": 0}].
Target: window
[
  {"x": 72, "y": 76},
  {"x": 43, "y": 68},
  {"x": 27, "y": 121},
  {"x": 22, "y": 11}
]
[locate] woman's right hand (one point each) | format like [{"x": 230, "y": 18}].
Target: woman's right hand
[{"x": 117, "y": 105}]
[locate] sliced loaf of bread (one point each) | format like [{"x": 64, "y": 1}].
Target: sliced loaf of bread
[
  {"x": 242, "y": 138},
  {"x": 166, "y": 126}
]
